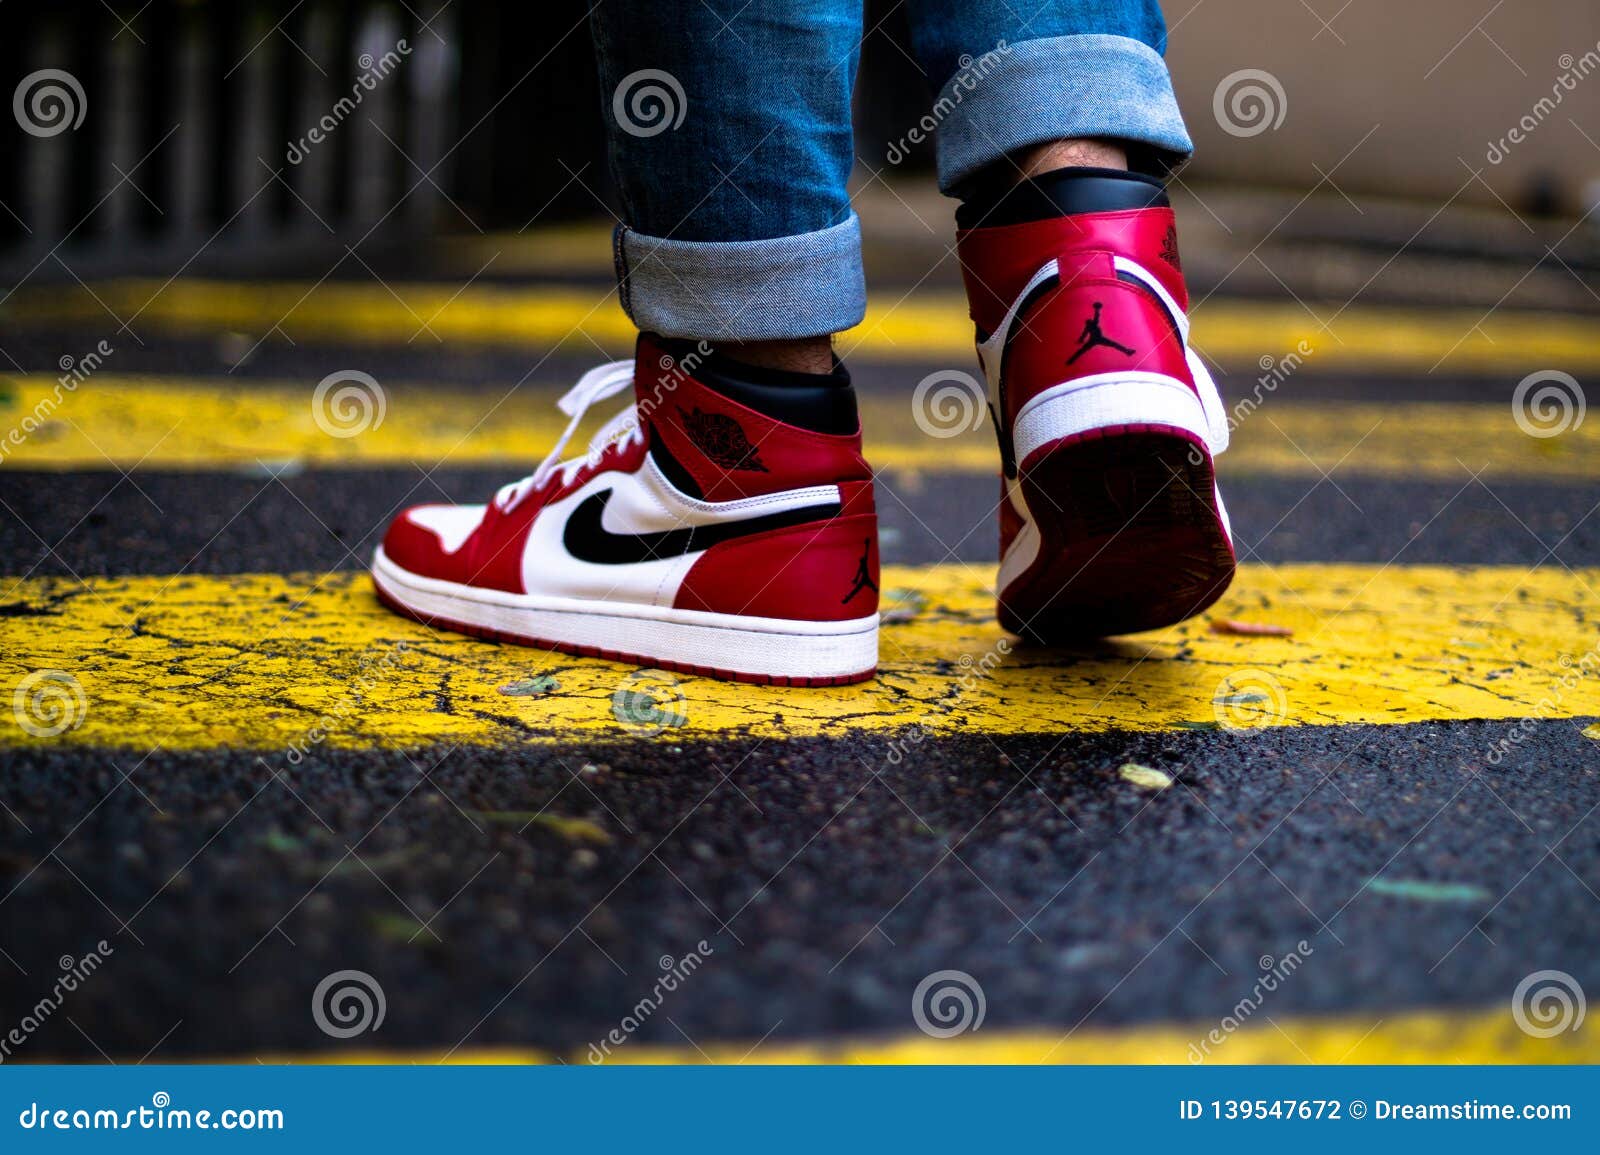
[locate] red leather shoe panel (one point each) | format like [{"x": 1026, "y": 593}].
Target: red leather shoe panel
[
  {"x": 997, "y": 262},
  {"x": 822, "y": 572}
]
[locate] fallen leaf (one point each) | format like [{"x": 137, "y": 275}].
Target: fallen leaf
[
  {"x": 1241, "y": 699},
  {"x": 1592, "y": 731},
  {"x": 398, "y": 928},
  {"x": 504, "y": 817},
  {"x": 366, "y": 865},
  {"x": 267, "y": 469},
  {"x": 1425, "y": 891},
  {"x": 531, "y": 687},
  {"x": 1144, "y": 777},
  {"x": 1250, "y": 629},
  {"x": 633, "y": 706},
  {"x": 574, "y": 829},
  {"x": 648, "y": 701},
  {"x": 280, "y": 842},
  {"x": 1087, "y": 955},
  {"x": 904, "y": 605}
]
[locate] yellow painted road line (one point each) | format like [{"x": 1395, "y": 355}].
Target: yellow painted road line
[
  {"x": 919, "y": 327},
  {"x": 205, "y": 423},
  {"x": 572, "y": 249},
  {"x": 1485, "y": 1036},
  {"x": 261, "y": 661}
]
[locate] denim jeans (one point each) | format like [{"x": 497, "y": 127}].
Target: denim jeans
[{"x": 730, "y": 140}]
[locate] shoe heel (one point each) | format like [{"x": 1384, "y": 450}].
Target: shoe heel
[{"x": 1131, "y": 536}]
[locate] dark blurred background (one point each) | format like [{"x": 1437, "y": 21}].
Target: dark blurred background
[{"x": 493, "y": 120}]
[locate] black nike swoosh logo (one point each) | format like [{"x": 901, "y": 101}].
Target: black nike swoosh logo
[{"x": 587, "y": 539}]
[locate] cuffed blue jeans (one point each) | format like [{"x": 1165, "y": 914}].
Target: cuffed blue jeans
[{"x": 730, "y": 137}]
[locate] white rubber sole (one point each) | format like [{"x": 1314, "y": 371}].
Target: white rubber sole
[
  {"x": 1104, "y": 401},
  {"x": 727, "y": 645}
]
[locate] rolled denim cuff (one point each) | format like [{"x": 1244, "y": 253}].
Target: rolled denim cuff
[
  {"x": 807, "y": 285},
  {"x": 1054, "y": 89}
]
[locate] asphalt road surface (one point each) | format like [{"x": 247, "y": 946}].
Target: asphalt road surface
[{"x": 527, "y": 883}]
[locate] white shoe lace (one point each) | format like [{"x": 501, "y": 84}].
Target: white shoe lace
[{"x": 599, "y": 384}]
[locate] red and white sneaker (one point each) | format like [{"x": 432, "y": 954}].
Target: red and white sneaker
[
  {"x": 1110, "y": 520},
  {"x": 715, "y": 526}
]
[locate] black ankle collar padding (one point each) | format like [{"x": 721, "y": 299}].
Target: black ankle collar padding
[
  {"x": 1062, "y": 193},
  {"x": 820, "y": 402}
]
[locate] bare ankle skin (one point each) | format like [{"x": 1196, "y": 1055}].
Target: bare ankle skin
[
  {"x": 805, "y": 355},
  {"x": 1067, "y": 154}
]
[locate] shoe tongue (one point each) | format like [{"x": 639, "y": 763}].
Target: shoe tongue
[{"x": 1064, "y": 192}]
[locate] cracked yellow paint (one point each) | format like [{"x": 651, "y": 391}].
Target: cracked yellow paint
[
  {"x": 915, "y": 327},
  {"x": 271, "y": 662},
  {"x": 200, "y": 423},
  {"x": 1485, "y": 1036}
]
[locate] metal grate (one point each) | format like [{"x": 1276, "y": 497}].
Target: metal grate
[{"x": 203, "y": 135}]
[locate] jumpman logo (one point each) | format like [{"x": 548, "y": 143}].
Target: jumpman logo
[
  {"x": 1092, "y": 336},
  {"x": 863, "y": 579}
]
